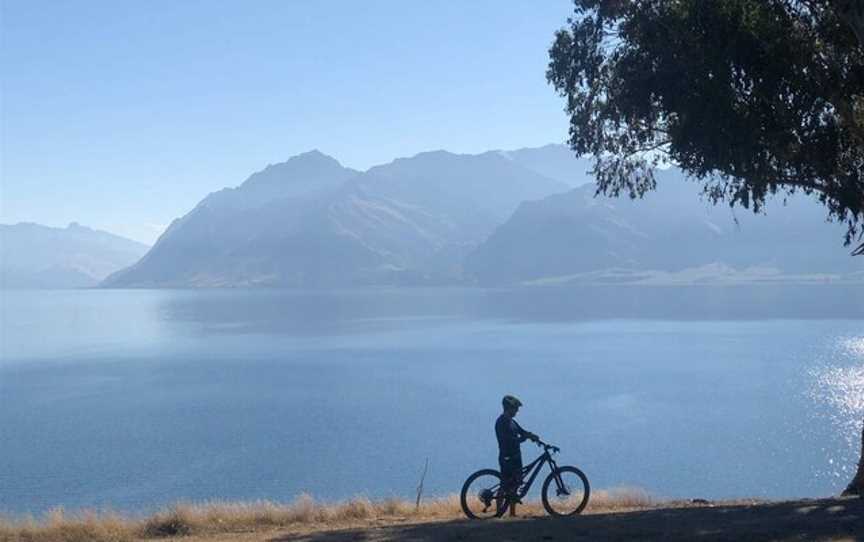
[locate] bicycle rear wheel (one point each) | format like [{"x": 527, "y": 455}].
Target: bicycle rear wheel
[
  {"x": 482, "y": 496},
  {"x": 565, "y": 492}
]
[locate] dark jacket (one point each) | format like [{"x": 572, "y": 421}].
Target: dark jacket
[{"x": 510, "y": 436}]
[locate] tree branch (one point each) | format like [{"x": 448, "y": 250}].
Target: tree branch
[{"x": 649, "y": 148}]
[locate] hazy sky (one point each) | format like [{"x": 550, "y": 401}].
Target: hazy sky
[{"x": 123, "y": 115}]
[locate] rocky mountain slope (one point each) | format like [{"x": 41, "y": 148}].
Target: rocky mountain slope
[
  {"x": 496, "y": 218},
  {"x": 310, "y": 222},
  {"x": 36, "y": 256},
  {"x": 672, "y": 234}
]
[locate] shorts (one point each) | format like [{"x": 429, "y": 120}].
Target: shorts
[{"x": 511, "y": 469}]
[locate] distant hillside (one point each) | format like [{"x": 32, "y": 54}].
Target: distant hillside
[
  {"x": 500, "y": 217},
  {"x": 671, "y": 236},
  {"x": 555, "y": 162},
  {"x": 311, "y": 222},
  {"x": 36, "y": 256}
]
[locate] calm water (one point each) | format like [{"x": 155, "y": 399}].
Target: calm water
[{"x": 135, "y": 399}]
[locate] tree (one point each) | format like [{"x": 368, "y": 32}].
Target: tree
[{"x": 751, "y": 98}]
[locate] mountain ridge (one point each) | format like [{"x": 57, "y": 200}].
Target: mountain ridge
[
  {"x": 528, "y": 216},
  {"x": 33, "y": 255},
  {"x": 670, "y": 233},
  {"x": 413, "y": 217}
]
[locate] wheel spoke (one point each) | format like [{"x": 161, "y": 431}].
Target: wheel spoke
[
  {"x": 565, "y": 492},
  {"x": 482, "y": 497}
]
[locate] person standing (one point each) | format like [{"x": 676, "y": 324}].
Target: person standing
[{"x": 510, "y": 437}]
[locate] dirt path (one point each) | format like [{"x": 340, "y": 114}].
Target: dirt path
[{"x": 828, "y": 519}]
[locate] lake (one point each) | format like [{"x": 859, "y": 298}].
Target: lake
[{"x": 134, "y": 399}]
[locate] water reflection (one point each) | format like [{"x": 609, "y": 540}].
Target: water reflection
[
  {"x": 855, "y": 346},
  {"x": 838, "y": 396},
  {"x": 303, "y": 313}
]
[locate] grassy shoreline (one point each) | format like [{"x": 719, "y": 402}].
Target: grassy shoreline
[
  {"x": 304, "y": 514},
  {"x": 612, "y": 516}
]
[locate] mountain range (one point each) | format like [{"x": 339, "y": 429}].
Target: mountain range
[
  {"x": 36, "y": 256},
  {"x": 528, "y": 216},
  {"x": 310, "y": 222},
  {"x": 671, "y": 236}
]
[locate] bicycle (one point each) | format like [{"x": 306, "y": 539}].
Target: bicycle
[{"x": 484, "y": 497}]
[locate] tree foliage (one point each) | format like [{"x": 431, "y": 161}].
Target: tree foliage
[{"x": 750, "y": 97}]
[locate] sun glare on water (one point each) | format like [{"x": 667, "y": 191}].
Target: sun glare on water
[
  {"x": 837, "y": 392},
  {"x": 838, "y": 387},
  {"x": 855, "y": 346},
  {"x": 843, "y": 389}
]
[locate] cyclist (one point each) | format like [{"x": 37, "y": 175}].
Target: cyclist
[{"x": 510, "y": 437}]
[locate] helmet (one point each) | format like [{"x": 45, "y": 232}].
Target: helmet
[{"x": 510, "y": 402}]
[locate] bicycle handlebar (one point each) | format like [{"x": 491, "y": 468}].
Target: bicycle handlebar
[{"x": 546, "y": 446}]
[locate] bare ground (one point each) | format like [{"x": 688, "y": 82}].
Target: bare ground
[{"x": 826, "y": 519}]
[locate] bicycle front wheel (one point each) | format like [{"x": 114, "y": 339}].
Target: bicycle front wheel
[
  {"x": 482, "y": 496},
  {"x": 565, "y": 492}
]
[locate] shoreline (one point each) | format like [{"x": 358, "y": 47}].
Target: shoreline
[{"x": 611, "y": 515}]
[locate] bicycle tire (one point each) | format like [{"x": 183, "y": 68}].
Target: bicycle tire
[
  {"x": 580, "y": 505},
  {"x": 500, "y": 507}
]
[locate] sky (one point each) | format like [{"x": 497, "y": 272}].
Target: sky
[{"x": 123, "y": 115}]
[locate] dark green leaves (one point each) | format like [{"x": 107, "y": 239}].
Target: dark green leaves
[{"x": 751, "y": 97}]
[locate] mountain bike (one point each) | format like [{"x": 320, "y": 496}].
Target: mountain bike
[{"x": 565, "y": 491}]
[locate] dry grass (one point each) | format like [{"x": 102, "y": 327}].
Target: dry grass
[
  {"x": 621, "y": 498},
  {"x": 58, "y": 526},
  {"x": 224, "y": 517}
]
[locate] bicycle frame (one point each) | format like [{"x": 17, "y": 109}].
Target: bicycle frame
[
  {"x": 496, "y": 498},
  {"x": 534, "y": 468}
]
